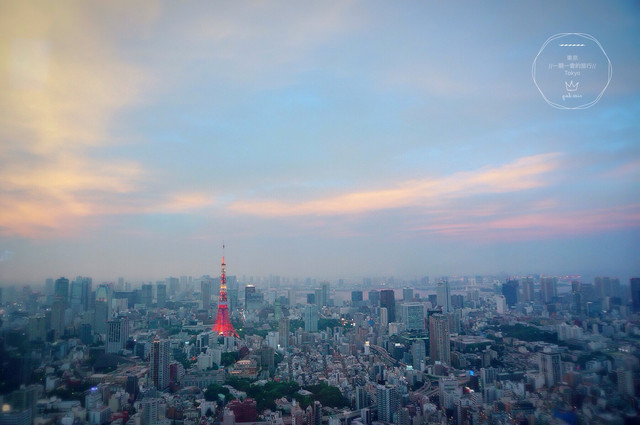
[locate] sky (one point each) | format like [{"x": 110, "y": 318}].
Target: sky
[{"x": 333, "y": 139}]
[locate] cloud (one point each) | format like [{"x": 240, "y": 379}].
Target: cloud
[{"x": 522, "y": 174}]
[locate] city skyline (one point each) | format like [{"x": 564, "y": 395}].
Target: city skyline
[{"x": 340, "y": 140}]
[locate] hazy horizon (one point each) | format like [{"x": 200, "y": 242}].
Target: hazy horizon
[{"x": 333, "y": 139}]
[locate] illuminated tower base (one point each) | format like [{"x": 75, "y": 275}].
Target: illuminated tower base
[{"x": 223, "y": 324}]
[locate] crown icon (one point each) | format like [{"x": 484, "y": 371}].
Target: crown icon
[{"x": 571, "y": 86}]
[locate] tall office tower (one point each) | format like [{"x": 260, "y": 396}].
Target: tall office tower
[
  {"x": 232, "y": 292},
  {"x": 444, "y": 295},
  {"x": 159, "y": 364},
  {"x": 283, "y": 332},
  {"x": 149, "y": 414},
  {"x": 526, "y": 293},
  {"x": 117, "y": 335},
  {"x": 606, "y": 287},
  {"x": 223, "y": 324},
  {"x": 634, "y": 282},
  {"x": 102, "y": 309},
  {"x": 548, "y": 289},
  {"x": 388, "y": 300},
  {"x": 161, "y": 294},
  {"x": 80, "y": 292},
  {"x": 418, "y": 353},
  {"x": 291, "y": 296},
  {"x": 62, "y": 290},
  {"x": 326, "y": 293},
  {"x": 173, "y": 284},
  {"x": 57, "y": 316},
  {"x": 356, "y": 298},
  {"x": 374, "y": 298},
  {"x": 384, "y": 317},
  {"x": 576, "y": 298},
  {"x": 318, "y": 298},
  {"x": 310, "y": 318},
  {"x": 407, "y": 294},
  {"x": 362, "y": 398},
  {"x": 439, "y": 342},
  {"x": 413, "y": 316},
  {"x": 550, "y": 366},
  {"x": 147, "y": 295},
  {"x": 252, "y": 298},
  {"x": 510, "y": 292},
  {"x": 387, "y": 401},
  {"x": 205, "y": 291}
]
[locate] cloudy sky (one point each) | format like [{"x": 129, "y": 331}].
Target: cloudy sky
[{"x": 328, "y": 139}]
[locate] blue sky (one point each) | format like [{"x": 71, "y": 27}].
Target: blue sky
[{"x": 329, "y": 139}]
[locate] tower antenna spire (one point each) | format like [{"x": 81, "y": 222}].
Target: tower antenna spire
[{"x": 223, "y": 324}]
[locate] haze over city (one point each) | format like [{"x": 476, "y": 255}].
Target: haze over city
[{"x": 329, "y": 139}]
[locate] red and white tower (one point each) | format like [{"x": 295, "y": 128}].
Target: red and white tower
[{"x": 223, "y": 324}]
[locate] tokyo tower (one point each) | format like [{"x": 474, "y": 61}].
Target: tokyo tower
[{"x": 223, "y": 324}]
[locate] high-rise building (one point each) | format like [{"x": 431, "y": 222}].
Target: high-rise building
[
  {"x": 548, "y": 289},
  {"x": 232, "y": 292},
  {"x": 80, "y": 291},
  {"x": 161, "y": 294},
  {"x": 374, "y": 298},
  {"x": 356, "y": 298},
  {"x": 159, "y": 364},
  {"x": 439, "y": 339},
  {"x": 117, "y": 335},
  {"x": 403, "y": 416},
  {"x": 635, "y": 293},
  {"x": 418, "y": 353},
  {"x": 149, "y": 414},
  {"x": 102, "y": 309},
  {"x": 319, "y": 298},
  {"x": 62, "y": 290},
  {"x": 388, "y": 402},
  {"x": 384, "y": 317},
  {"x": 413, "y": 316},
  {"x": 310, "y": 318},
  {"x": 205, "y": 291},
  {"x": 362, "y": 398},
  {"x": 147, "y": 295},
  {"x": 526, "y": 293},
  {"x": 252, "y": 298},
  {"x": 388, "y": 300},
  {"x": 326, "y": 294},
  {"x": 291, "y": 296},
  {"x": 551, "y": 367},
  {"x": 407, "y": 294},
  {"x": 444, "y": 295},
  {"x": 283, "y": 332},
  {"x": 57, "y": 316},
  {"x": 607, "y": 287},
  {"x": 223, "y": 324},
  {"x": 510, "y": 292}
]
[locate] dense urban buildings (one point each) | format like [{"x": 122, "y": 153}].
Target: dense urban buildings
[{"x": 462, "y": 351}]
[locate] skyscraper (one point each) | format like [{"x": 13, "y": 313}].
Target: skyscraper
[
  {"x": 62, "y": 290},
  {"x": 147, "y": 295},
  {"x": 413, "y": 316},
  {"x": 117, "y": 335},
  {"x": 439, "y": 339},
  {"x": 388, "y": 300},
  {"x": 310, "y": 318},
  {"x": 102, "y": 309},
  {"x": 205, "y": 292},
  {"x": 444, "y": 296},
  {"x": 388, "y": 402},
  {"x": 80, "y": 291},
  {"x": 526, "y": 294},
  {"x": 548, "y": 289},
  {"x": 550, "y": 366},
  {"x": 326, "y": 293},
  {"x": 407, "y": 294},
  {"x": 223, "y": 324},
  {"x": 161, "y": 294},
  {"x": 635, "y": 293},
  {"x": 510, "y": 292},
  {"x": 283, "y": 332},
  {"x": 159, "y": 364}
]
